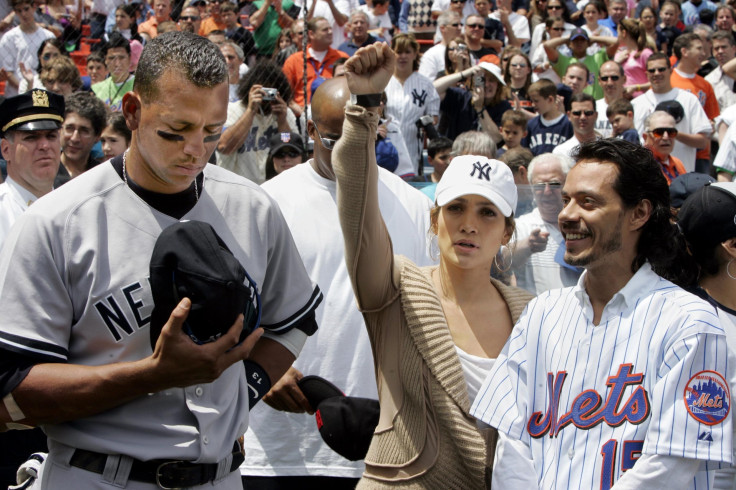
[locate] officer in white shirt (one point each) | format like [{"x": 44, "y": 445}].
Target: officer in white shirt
[{"x": 29, "y": 125}]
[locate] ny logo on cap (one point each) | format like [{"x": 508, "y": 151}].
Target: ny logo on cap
[
  {"x": 484, "y": 170},
  {"x": 285, "y": 137},
  {"x": 40, "y": 98}
]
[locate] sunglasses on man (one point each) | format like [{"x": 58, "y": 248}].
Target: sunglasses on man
[{"x": 659, "y": 133}]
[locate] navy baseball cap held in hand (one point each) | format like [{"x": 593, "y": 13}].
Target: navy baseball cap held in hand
[
  {"x": 190, "y": 260},
  {"x": 346, "y": 423}
]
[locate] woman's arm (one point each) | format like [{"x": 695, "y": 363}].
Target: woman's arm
[
  {"x": 610, "y": 42},
  {"x": 444, "y": 83},
  {"x": 729, "y": 68},
  {"x": 368, "y": 250}
]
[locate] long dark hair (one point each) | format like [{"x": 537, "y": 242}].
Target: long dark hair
[
  {"x": 131, "y": 10},
  {"x": 640, "y": 178},
  {"x": 54, "y": 41},
  {"x": 268, "y": 74},
  {"x": 565, "y": 11}
]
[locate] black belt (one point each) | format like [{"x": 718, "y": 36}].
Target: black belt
[{"x": 162, "y": 472}]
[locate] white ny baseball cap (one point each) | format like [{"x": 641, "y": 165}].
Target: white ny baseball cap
[
  {"x": 495, "y": 70},
  {"x": 473, "y": 174}
]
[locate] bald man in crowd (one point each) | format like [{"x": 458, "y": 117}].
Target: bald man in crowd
[{"x": 342, "y": 353}]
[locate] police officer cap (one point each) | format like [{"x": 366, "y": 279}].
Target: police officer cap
[{"x": 32, "y": 111}]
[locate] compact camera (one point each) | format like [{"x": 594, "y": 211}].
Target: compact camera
[
  {"x": 426, "y": 124},
  {"x": 269, "y": 93}
]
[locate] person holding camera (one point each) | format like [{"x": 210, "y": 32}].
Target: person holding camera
[
  {"x": 457, "y": 58},
  {"x": 479, "y": 106},
  {"x": 261, "y": 112}
]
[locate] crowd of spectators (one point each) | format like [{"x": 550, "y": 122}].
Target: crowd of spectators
[
  {"x": 604, "y": 49},
  {"x": 523, "y": 81}
]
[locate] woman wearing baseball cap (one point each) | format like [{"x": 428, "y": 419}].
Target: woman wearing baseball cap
[
  {"x": 435, "y": 331},
  {"x": 707, "y": 218},
  {"x": 286, "y": 151}
]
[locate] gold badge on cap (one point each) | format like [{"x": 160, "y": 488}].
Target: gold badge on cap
[{"x": 40, "y": 98}]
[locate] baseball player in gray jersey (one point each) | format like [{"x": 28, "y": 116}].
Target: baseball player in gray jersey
[
  {"x": 622, "y": 380},
  {"x": 117, "y": 413}
]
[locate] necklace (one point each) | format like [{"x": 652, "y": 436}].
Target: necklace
[
  {"x": 117, "y": 92},
  {"x": 125, "y": 178}
]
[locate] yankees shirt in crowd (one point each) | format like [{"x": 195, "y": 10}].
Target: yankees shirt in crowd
[
  {"x": 602, "y": 124},
  {"x": 589, "y": 400},
  {"x": 543, "y": 135},
  {"x": 406, "y": 104}
]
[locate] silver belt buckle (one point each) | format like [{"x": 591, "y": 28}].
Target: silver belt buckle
[{"x": 159, "y": 475}]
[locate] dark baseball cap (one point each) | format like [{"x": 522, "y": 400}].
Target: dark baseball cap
[
  {"x": 673, "y": 108},
  {"x": 708, "y": 216},
  {"x": 579, "y": 32},
  {"x": 190, "y": 260},
  {"x": 684, "y": 185},
  {"x": 346, "y": 423},
  {"x": 281, "y": 140},
  {"x": 32, "y": 111}
]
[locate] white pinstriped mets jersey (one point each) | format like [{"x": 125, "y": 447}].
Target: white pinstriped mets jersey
[{"x": 589, "y": 400}]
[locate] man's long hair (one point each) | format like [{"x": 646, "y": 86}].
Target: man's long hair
[{"x": 639, "y": 178}]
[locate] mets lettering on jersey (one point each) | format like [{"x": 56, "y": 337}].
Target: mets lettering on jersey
[
  {"x": 590, "y": 399},
  {"x": 586, "y": 411}
]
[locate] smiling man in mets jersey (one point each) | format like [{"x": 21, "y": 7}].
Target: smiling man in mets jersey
[{"x": 622, "y": 380}]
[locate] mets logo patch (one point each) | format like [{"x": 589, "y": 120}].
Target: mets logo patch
[{"x": 707, "y": 397}]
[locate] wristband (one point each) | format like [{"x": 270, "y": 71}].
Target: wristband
[
  {"x": 366, "y": 100},
  {"x": 462, "y": 76},
  {"x": 258, "y": 382}
]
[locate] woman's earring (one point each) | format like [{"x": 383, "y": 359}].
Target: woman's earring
[
  {"x": 503, "y": 259},
  {"x": 434, "y": 248}
]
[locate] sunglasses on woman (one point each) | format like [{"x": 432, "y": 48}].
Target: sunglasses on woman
[{"x": 287, "y": 154}]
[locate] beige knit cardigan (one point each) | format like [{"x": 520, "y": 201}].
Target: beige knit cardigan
[{"x": 425, "y": 437}]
